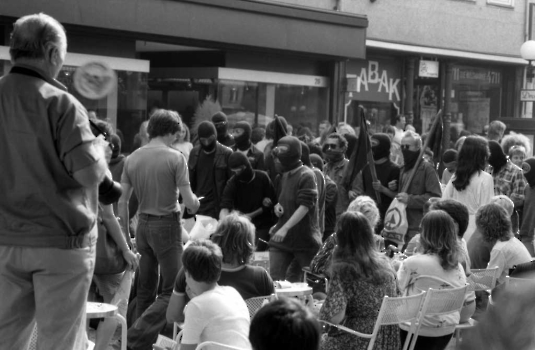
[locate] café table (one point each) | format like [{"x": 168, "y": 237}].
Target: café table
[{"x": 297, "y": 290}]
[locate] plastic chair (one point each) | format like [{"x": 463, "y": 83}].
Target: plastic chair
[
  {"x": 523, "y": 270},
  {"x": 438, "y": 302},
  {"x": 213, "y": 344},
  {"x": 516, "y": 283},
  {"x": 177, "y": 329},
  {"x": 393, "y": 311},
  {"x": 315, "y": 278},
  {"x": 254, "y": 304},
  {"x": 479, "y": 280}
]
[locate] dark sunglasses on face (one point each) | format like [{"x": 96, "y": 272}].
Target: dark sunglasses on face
[
  {"x": 405, "y": 147},
  {"x": 328, "y": 146}
]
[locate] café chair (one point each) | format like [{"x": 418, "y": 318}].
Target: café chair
[{"x": 254, "y": 304}]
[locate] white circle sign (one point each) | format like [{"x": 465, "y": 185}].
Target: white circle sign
[{"x": 94, "y": 80}]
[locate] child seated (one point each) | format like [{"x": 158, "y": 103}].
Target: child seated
[
  {"x": 215, "y": 313},
  {"x": 285, "y": 324}
]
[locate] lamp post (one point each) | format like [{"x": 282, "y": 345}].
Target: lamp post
[{"x": 527, "y": 51}]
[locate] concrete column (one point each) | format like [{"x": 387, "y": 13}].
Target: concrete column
[
  {"x": 446, "y": 115},
  {"x": 409, "y": 86}
]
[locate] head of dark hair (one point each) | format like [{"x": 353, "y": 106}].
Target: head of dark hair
[
  {"x": 284, "y": 324},
  {"x": 314, "y": 148},
  {"x": 471, "y": 158},
  {"x": 494, "y": 223},
  {"x": 457, "y": 210},
  {"x": 202, "y": 260},
  {"x": 258, "y": 134},
  {"x": 356, "y": 252},
  {"x": 163, "y": 122},
  {"x": 342, "y": 141},
  {"x": 395, "y": 119},
  {"x": 33, "y": 35},
  {"x": 438, "y": 237},
  {"x": 235, "y": 235}
]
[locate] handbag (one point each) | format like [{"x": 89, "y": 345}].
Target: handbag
[
  {"x": 395, "y": 223},
  {"x": 109, "y": 258}
]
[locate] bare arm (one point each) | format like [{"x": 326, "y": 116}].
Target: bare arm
[
  {"x": 297, "y": 216},
  {"x": 114, "y": 229},
  {"x": 190, "y": 200},
  {"x": 123, "y": 207},
  {"x": 223, "y": 213},
  {"x": 175, "y": 309}
]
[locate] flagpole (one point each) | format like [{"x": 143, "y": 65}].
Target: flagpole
[
  {"x": 419, "y": 160},
  {"x": 369, "y": 154}
]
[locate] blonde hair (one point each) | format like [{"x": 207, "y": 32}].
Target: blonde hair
[{"x": 365, "y": 205}]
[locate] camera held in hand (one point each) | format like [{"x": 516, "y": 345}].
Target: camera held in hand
[{"x": 109, "y": 191}]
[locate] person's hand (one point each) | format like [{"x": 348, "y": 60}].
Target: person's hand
[
  {"x": 280, "y": 234},
  {"x": 279, "y": 210},
  {"x": 192, "y": 210},
  {"x": 131, "y": 258},
  {"x": 403, "y": 197},
  {"x": 266, "y": 202},
  {"x": 352, "y": 195},
  {"x": 378, "y": 186},
  {"x": 393, "y": 185}
]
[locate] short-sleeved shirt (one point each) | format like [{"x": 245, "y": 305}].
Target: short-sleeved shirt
[
  {"x": 155, "y": 173},
  {"x": 44, "y": 134},
  {"x": 507, "y": 254},
  {"x": 218, "y": 315},
  {"x": 249, "y": 281}
]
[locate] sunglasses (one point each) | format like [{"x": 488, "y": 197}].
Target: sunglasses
[
  {"x": 405, "y": 147},
  {"x": 330, "y": 146}
]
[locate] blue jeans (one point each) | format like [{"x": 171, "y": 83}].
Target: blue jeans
[
  {"x": 280, "y": 260},
  {"x": 159, "y": 242},
  {"x": 48, "y": 286}
]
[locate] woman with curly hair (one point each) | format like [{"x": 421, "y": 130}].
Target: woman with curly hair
[
  {"x": 470, "y": 184},
  {"x": 494, "y": 223},
  {"x": 360, "y": 278},
  {"x": 436, "y": 267}
]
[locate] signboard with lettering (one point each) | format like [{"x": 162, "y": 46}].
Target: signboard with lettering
[
  {"x": 376, "y": 80},
  {"x": 428, "y": 69},
  {"x": 527, "y": 95},
  {"x": 476, "y": 75}
]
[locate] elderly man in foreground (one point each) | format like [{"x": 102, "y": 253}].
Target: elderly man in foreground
[{"x": 51, "y": 168}]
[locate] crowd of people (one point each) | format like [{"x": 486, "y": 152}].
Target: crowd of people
[{"x": 67, "y": 188}]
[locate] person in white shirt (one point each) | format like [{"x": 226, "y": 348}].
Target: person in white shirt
[{"x": 215, "y": 313}]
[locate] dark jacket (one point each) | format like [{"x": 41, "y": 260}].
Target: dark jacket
[
  {"x": 255, "y": 156},
  {"x": 221, "y": 175}
]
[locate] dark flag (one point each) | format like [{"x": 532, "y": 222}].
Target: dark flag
[
  {"x": 360, "y": 154},
  {"x": 435, "y": 140}
]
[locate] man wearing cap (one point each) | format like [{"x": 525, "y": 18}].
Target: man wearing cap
[
  {"x": 220, "y": 121},
  {"x": 242, "y": 138},
  {"x": 386, "y": 171},
  {"x": 296, "y": 234},
  {"x": 208, "y": 169},
  {"x": 51, "y": 166},
  {"x": 251, "y": 192}
]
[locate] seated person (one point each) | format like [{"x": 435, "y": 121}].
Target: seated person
[
  {"x": 215, "y": 313},
  {"x": 235, "y": 236},
  {"x": 284, "y": 324}
]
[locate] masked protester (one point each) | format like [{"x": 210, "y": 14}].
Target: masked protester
[
  {"x": 387, "y": 172},
  {"x": 527, "y": 229},
  {"x": 296, "y": 234},
  {"x": 208, "y": 169},
  {"x": 220, "y": 121},
  {"x": 250, "y": 192},
  {"x": 334, "y": 150},
  {"x": 242, "y": 138},
  {"x": 275, "y": 130},
  {"x": 423, "y": 186}
]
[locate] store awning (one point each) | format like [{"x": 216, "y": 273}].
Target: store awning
[{"x": 246, "y": 24}]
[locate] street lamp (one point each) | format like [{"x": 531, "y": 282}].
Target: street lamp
[{"x": 527, "y": 51}]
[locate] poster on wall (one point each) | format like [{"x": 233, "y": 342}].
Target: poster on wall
[{"x": 477, "y": 112}]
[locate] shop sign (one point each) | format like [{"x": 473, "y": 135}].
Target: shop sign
[
  {"x": 527, "y": 95},
  {"x": 428, "y": 69},
  {"x": 468, "y": 75},
  {"x": 374, "y": 80}
]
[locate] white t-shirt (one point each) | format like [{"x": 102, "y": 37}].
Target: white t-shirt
[
  {"x": 507, "y": 254},
  {"x": 478, "y": 193},
  {"x": 218, "y": 315}
]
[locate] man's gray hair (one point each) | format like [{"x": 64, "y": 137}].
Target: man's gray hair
[
  {"x": 33, "y": 34},
  {"x": 415, "y": 136}
]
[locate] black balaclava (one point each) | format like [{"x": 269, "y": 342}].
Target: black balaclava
[
  {"x": 380, "y": 146},
  {"x": 205, "y": 130},
  {"x": 243, "y": 142},
  {"x": 236, "y": 160},
  {"x": 277, "y": 129},
  {"x": 410, "y": 158},
  {"x": 316, "y": 161},
  {"x": 222, "y": 129},
  {"x": 528, "y": 167},
  {"x": 116, "y": 142},
  {"x": 305, "y": 155},
  {"x": 497, "y": 158},
  {"x": 288, "y": 152}
]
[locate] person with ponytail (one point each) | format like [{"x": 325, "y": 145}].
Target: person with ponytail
[
  {"x": 470, "y": 184},
  {"x": 360, "y": 276}
]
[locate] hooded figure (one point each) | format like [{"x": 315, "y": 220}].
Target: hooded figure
[
  {"x": 288, "y": 153},
  {"x": 220, "y": 121},
  {"x": 241, "y": 167},
  {"x": 275, "y": 131},
  {"x": 380, "y": 146},
  {"x": 207, "y": 131},
  {"x": 528, "y": 221},
  {"x": 528, "y": 167},
  {"x": 242, "y": 135},
  {"x": 316, "y": 161},
  {"x": 497, "y": 157}
]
